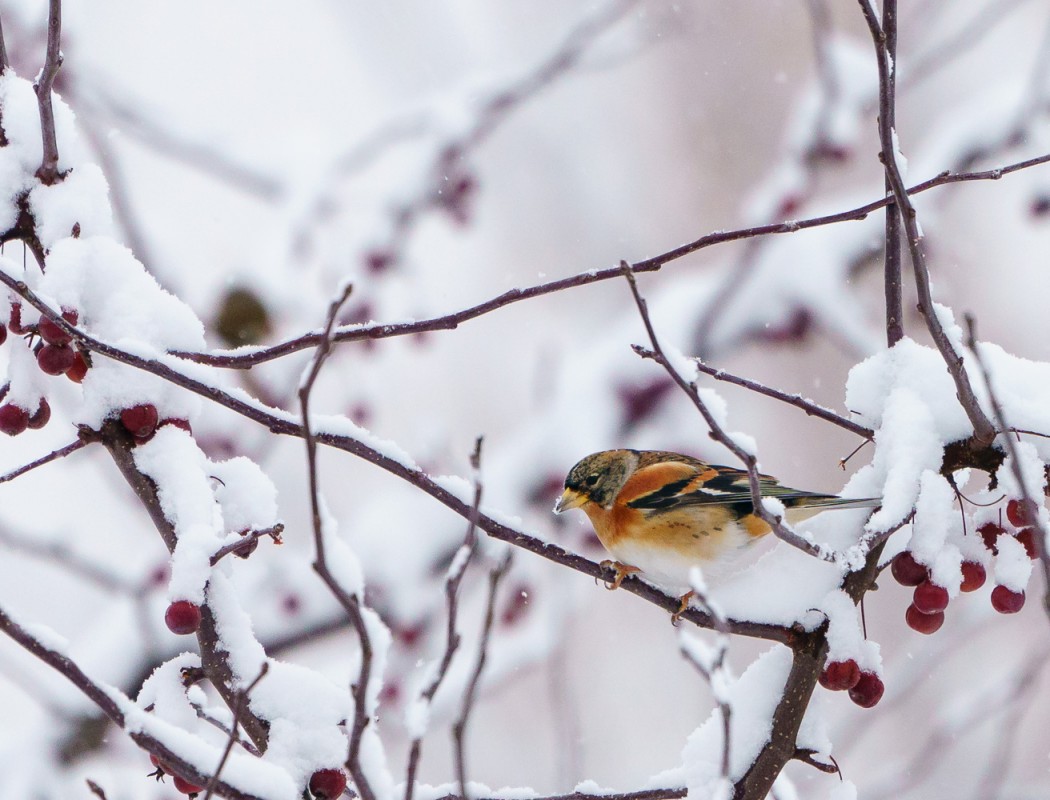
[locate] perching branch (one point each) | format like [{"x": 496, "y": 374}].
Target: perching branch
[
  {"x": 48, "y": 172},
  {"x": 238, "y": 709}
]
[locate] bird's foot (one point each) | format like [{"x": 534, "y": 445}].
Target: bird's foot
[
  {"x": 683, "y": 606},
  {"x": 621, "y": 570}
]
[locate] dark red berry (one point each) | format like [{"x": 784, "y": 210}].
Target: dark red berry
[
  {"x": 79, "y": 369},
  {"x": 15, "y": 320},
  {"x": 3, "y": 334},
  {"x": 1026, "y": 536},
  {"x": 183, "y": 617},
  {"x": 1006, "y": 601},
  {"x": 868, "y": 690},
  {"x": 516, "y": 606},
  {"x": 923, "y": 623},
  {"x": 973, "y": 576},
  {"x": 1018, "y": 514},
  {"x": 141, "y": 420},
  {"x": 378, "y": 261},
  {"x": 929, "y": 598},
  {"x": 907, "y": 570},
  {"x": 51, "y": 333},
  {"x": 839, "y": 676},
  {"x": 327, "y": 783},
  {"x": 184, "y": 786},
  {"x": 990, "y": 533},
  {"x": 1040, "y": 206},
  {"x": 41, "y": 416},
  {"x": 55, "y": 359},
  {"x": 13, "y": 419}
]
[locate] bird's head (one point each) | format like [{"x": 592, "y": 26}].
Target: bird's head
[{"x": 597, "y": 479}]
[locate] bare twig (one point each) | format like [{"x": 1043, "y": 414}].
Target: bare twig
[
  {"x": 716, "y": 432},
  {"x": 48, "y": 172},
  {"x": 4, "y": 61},
  {"x": 797, "y": 400},
  {"x": 350, "y": 602},
  {"x": 246, "y": 542},
  {"x": 239, "y": 706},
  {"x": 61, "y": 452},
  {"x": 452, "y": 638},
  {"x": 58, "y": 553},
  {"x": 95, "y": 789},
  {"x": 984, "y": 431},
  {"x": 888, "y": 112},
  {"x": 245, "y": 358},
  {"x": 1027, "y": 501},
  {"x": 459, "y": 728}
]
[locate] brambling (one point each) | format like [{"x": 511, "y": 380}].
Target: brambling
[{"x": 663, "y": 513}]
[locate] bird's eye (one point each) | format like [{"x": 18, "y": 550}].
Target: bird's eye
[{"x": 591, "y": 480}]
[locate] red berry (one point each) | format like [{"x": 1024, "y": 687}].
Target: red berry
[
  {"x": 79, "y": 369},
  {"x": 1018, "y": 514},
  {"x": 15, "y": 320},
  {"x": 327, "y": 783},
  {"x": 3, "y": 334},
  {"x": 517, "y": 605},
  {"x": 51, "y": 333},
  {"x": 907, "y": 570},
  {"x": 1006, "y": 601},
  {"x": 141, "y": 420},
  {"x": 868, "y": 690},
  {"x": 929, "y": 598},
  {"x": 991, "y": 532},
  {"x": 183, "y": 617},
  {"x": 973, "y": 576},
  {"x": 184, "y": 786},
  {"x": 838, "y": 676},
  {"x": 13, "y": 419},
  {"x": 41, "y": 416},
  {"x": 1026, "y": 536},
  {"x": 55, "y": 359},
  {"x": 923, "y": 623}
]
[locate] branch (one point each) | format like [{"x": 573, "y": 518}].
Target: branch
[
  {"x": 716, "y": 432},
  {"x": 238, "y": 709},
  {"x": 984, "y": 431},
  {"x": 245, "y": 358},
  {"x": 48, "y": 172},
  {"x": 350, "y": 602},
  {"x": 62, "y": 452},
  {"x": 459, "y": 729},
  {"x": 797, "y": 400},
  {"x": 247, "y": 543},
  {"x": 887, "y": 114},
  {"x": 1027, "y": 502},
  {"x": 283, "y": 424},
  {"x": 452, "y": 639}
]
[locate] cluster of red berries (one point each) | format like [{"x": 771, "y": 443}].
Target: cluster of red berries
[
  {"x": 865, "y": 688},
  {"x": 926, "y": 612},
  {"x": 55, "y": 355}
]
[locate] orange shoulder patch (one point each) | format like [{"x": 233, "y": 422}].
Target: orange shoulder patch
[{"x": 654, "y": 477}]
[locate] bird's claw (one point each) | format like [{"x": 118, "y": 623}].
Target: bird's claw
[
  {"x": 683, "y": 606},
  {"x": 621, "y": 571}
]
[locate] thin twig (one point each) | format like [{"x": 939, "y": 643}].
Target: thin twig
[
  {"x": 57, "y": 553},
  {"x": 95, "y": 789},
  {"x": 245, "y": 543},
  {"x": 241, "y": 703},
  {"x": 5, "y": 63},
  {"x": 984, "y": 431},
  {"x": 1027, "y": 502},
  {"x": 459, "y": 728},
  {"x": 797, "y": 400},
  {"x": 716, "y": 432},
  {"x": 249, "y": 357},
  {"x": 888, "y": 113},
  {"x": 62, "y": 452},
  {"x": 48, "y": 172},
  {"x": 351, "y": 603},
  {"x": 452, "y": 638}
]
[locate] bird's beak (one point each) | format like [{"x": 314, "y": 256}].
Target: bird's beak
[{"x": 569, "y": 499}]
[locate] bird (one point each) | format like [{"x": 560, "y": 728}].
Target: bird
[{"x": 662, "y": 513}]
